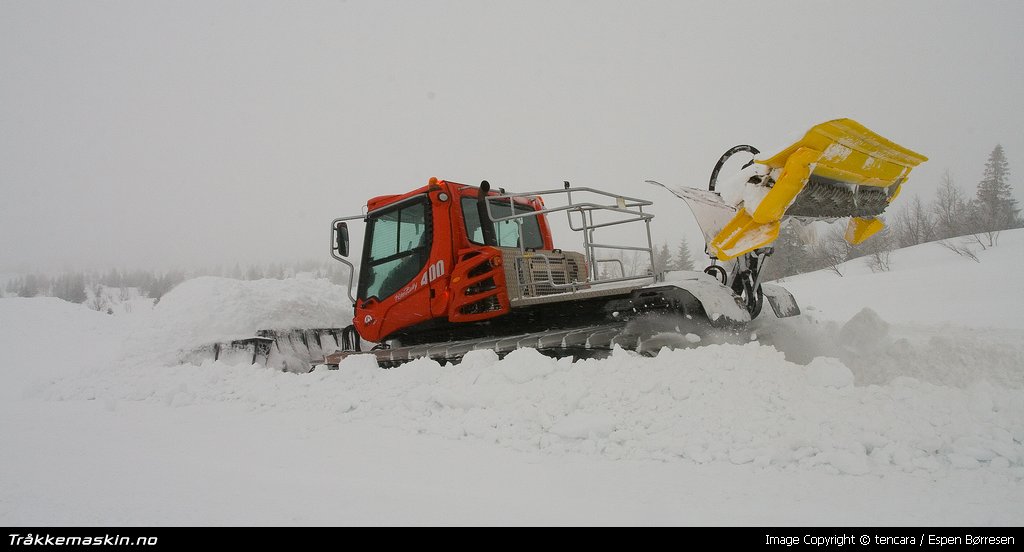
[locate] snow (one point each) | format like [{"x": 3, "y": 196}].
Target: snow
[
  {"x": 706, "y": 289},
  {"x": 46, "y": 336},
  {"x": 744, "y": 189},
  {"x": 928, "y": 284},
  {"x": 836, "y": 153},
  {"x": 911, "y": 418},
  {"x": 206, "y": 310},
  {"x": 735, "y": 188},
  {"x": 117, "y": 301}
]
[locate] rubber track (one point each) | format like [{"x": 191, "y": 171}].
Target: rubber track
[{"x": 590, "y": 341}]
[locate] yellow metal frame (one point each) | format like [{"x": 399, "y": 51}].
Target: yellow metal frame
[{"x": 842, "y": 150}]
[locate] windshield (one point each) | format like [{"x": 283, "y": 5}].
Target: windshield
[
  {"x": 397, "y": 248},
  {"x": 507, "y": 231}
]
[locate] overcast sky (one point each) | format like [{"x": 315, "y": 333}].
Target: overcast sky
[{"x": 156, "y": 134}]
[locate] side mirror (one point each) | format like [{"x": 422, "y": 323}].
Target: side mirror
[{"x": 341, "y": 238}]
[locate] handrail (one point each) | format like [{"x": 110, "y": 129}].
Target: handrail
[
  {"x": 343, "y": 260},
  {"x": 624, "y": 205}
]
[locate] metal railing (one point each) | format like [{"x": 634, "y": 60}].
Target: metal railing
[{"x": 631, "y": 210}]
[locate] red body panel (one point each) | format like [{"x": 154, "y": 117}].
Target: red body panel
[{"x": 461, "y": 281}]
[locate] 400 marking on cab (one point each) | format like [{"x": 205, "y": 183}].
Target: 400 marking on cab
[{"x": 435, "y": 271}]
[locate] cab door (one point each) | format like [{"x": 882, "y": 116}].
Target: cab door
[{"x": 396, "y": 255}]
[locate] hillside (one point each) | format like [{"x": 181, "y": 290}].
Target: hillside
[{"x": 897, "y": 398}]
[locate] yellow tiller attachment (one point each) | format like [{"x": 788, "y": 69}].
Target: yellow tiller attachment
[{"x": 838, "y": 169}]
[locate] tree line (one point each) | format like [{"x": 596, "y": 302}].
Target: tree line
[
  {"x": 977, "y": 218},
  {"x": 85, "y": 286}
]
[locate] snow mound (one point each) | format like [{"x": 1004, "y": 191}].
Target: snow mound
[
  {"x": 736, "y": 404},
  {"x": 828, "y": 372},
  {"x": 208, "y": 309},
  {"x": 877, "y": 352},
  {"x": 865, "y": 331}
]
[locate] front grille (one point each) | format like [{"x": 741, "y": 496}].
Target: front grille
[{"x": 487, "y": 304}]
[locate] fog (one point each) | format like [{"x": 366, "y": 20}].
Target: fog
[{"x": 158, "y": 134}]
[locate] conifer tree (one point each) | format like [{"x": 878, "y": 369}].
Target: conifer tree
[
  {"x": 994, "y": 202},
  {"x": 683, "y": 259}
]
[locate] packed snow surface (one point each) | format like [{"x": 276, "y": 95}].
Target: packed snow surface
[{"x": 859, "y": 411}]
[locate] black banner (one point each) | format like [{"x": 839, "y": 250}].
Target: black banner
[{"x": 172, "y": 538}]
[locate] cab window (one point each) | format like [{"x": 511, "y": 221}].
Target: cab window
[
  {"x": 397, "y": 248},
  {"x": 507, "y": 231}
]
